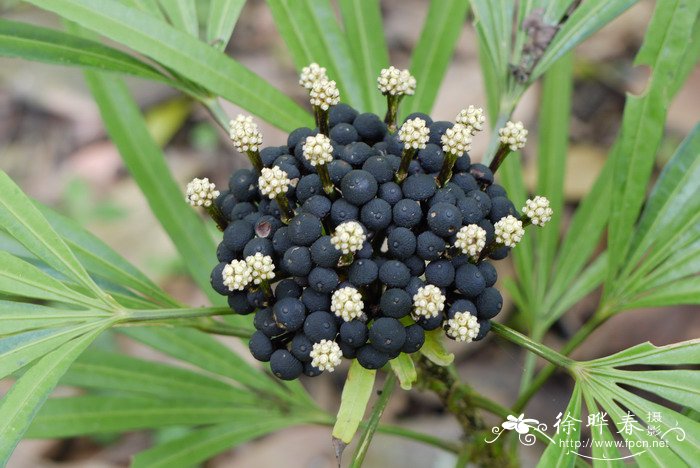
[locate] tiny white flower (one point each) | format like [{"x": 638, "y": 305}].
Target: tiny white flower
[
  {"x": 471, "y": 240},
  {"x": 538, "y": 210},
  {"x": 326, "y": 355},
  {"x": 348, "y": 237},
  {"x": 237, "y": 275},
  {"x": 347, "y": 303},
  {"x": 261, "y": 267},
  {"x": 318, "y": 150},
  {"x": 311, "y": 74},
  {"x": 472, "y": 117},
  {"x": 514, "y": 135},
  {"x": 244, "y": 134},
  {"x": 324, "y": 94},
  {"x": 457, "y": 140},
  {"x": 273, "y": 181},
  {"x": 414, "y": 133},
  {"x": 201, "y": 192},
  {"x": 396, "y": 82},
  {"x": 428, "y": 302},
  {"x": 463, "y": 327},
  {"x": 509, "y": 231}
]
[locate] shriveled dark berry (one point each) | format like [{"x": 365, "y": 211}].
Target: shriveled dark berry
[
  {"x": 394, "y": 274},
  {"x": 224, "y": 254},
  {"x": 226, "y": 203},
  {"x": 243, "y": 185},
  {"x": 266, "y": 226},
  {"x": 314, "y": 300},
  {"x": 317, "y": 205},
  {"x": 482, "y": 199},
  {"x": 430, "y": 246},
  {"x": 260, "y": 346},
  {"x": 440, "y": 273},
  {"x": 465, "y": 181},
  {"x": 462, "y": 163},
  {"x": 393, "y": 144},
  {"x": 482, "y": 174},
  {"x": 280, "y": 241},
  {"x": 469, "y": 281},
  {"x": 337, "y": 170},
  {"x": 287, "y": 288},
  {"x": 495, "y": 190},
  {"x": 353, "y": 333},
  {"x": 415, "y": 337},
  {"x": 264, "y": 321},
  {"x": 358, "y": 187},
  {"x": 342, "y": 211},
  {"x": 443, "y": 195},
  {"x": 489, "y": 303},
  {"x": 258, "y": 245},
  {"x": 484, "y": 328},
  {"x": 238, "y": 302},
  {"x": 344, "y": 134},
  {"x": 444, "y": 219},
  {"x": 390, "y": 192},
  {"x": 289, "y": 313},
  {"x": 237, "y": 234},
  {"x": 297, "y": 261},
  {"x": 419, "y": 187},
  {"x": 297, "y": 136},
  {"x": 401, "y": 243},
  {"x": 301, "y": 347},
  {"x": 370, "y": 127},
  {"x": 252, "y": 218},
  {"x": 488, "y": 271},
  {"x": 376, "y": 214},
  {"x": 381, "y": 146},
  {"x": 387, "y": 334},
  {"x": 284, "y": 365},
  {"x": 241, "y": 210},
  {"x": 304, "y": 229},
  {"x": 362, "y": 272},
  {"x": 407, "y": 213},
  {"x": 217, "y": 280},
  {"x": 324, "y": 253},
  {"x": 357, "y": 153},
  {"x": 308, "y": 186},
  {"x": 500, "y": 208},
  {"x": 396, "y": 303},
  {"x": 320, "y": 326},
  {"x": 455, "y": 190},
  {"x": 380, "y": 168},
  {"x": 341, "y": 113},
  {"x": 470, "y": 210},
  {"x": 437, "y": 130},
  {"x": 257, "y": 298},
  {"x": 500, "y": 253},
  {"x": 415, "y": 264},
  {"x": 431, "y": 158},
  {"x": 371, "y": 358},
  {"x": 323, "y": 280}
]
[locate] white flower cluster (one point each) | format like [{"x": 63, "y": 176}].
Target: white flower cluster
[
  {"x": 347, "y": 303},
  {"x": 237, "y": 275},
  {"x": 538, "y": 210},
  {"x": 201, "y": 192},
  {"x": 326, "y": 355},
  {"x": 471, "y": 240},
  {"x": 457, "y": 140},
  {"x": 414, "y": 133},
  {"x": 244, "y": 134},
  {"x": 514, "y": 135},
  {"x": 472, "y": 117},
  {"x": 396, "y": 82},
  {"x": 463, "y": 327},
  {"x": 311, "y": 74},
  {"x": 261, "y": 267},
  {"x": 348, "y": 237},
  {"x": 318, "y": 149},
  {"x": 428, "y": 302},
  {"x": 509, "y": 231},
  {"x": 324, "y": 94},
  {"x": 273, "y": 182}
]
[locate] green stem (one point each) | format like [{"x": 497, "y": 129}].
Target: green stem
[
  {"x": 531, "y": 345},
  {"x": 215, "y": 327},
  {"x": 321, "y": 117},
  {"x": 501, "y": 154},
  {"x": 495, "y": 141},
  {"x": 377, "y": 412},
  {"x": 129, "y": 316},
  {"x": 406, "y": 158},
  {"x": 446, "y": 170},
  {"x": 392, "y": 111},
  {"x": 326, "y": 181},
  {"x": 286, "y": 210},
  {"x": 217, "y": 112},
  {"x": 215, "y": 213},
  {"x": 255, "y": 160}
]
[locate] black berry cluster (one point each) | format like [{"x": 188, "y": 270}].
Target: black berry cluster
[{"x": 356, "y": 240}]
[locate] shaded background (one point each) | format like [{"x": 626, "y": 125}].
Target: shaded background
[{"x": 53, "y": 144}]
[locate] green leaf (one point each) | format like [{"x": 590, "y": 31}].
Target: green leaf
[
  {"x": 587, "y": 18},
  {"x": 31, "y": 42},
  {"x": 405, "y": 370},
  {"x": 686, "y": 291},
  {"x": 149, "y": 6},
  {"x": 185, "y": 55},
  {"x": 642, "y": 127},
  {"x": 353, "y": 402},
  {"x": 73, "y": 416},
  {"x": 16, "y": 317},
  {"x": 20, "y": 405},
  {"x": 21, "y": 219},
  {"x": 146, "y": 163},
  {"x": 558, "y": 453},
  {"x": 182, "y": 15},
  {"x": 371, "y": 427},
  {"x": 223, "y": 15},
  {"x": 433, "y": 52},
  {"x": 20, "y": 278},
  {"x": 311, "y": 32},
  {"x": 201, "y": 445},
  {"x": 364, "y": 30},
  {"x": 100, "y": 370},
  {"x": 434, "y": 348}
]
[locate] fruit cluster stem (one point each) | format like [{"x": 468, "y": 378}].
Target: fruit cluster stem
[
  {"x": 217, "y": 215},
  {"x": 501, "y": 154},
  {"x": 446, "y": 170},
  {"x": 255, "y": 160},
  {"x": 321, "y": 117},
  {"x": 287, "y": 212},
  {"x": 406, "y": 158},
  {"x": 392, "y": 111},
  {"x": 328, "y": 186}
]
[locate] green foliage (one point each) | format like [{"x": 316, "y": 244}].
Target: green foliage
[{"x": 356, "y": 394}]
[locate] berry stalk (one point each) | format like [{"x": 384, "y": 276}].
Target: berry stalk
[
  {"x": 392, "y": 111},
  {"x": 321, "y": 118},
  {"x": 446, "y": 171},
  {"x": 406, "y": 157},
  {"x": 215, "y": 213},
  {"x": 285, "y": 208}
]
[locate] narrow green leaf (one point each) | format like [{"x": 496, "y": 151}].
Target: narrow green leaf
[
  {"x": 604, "y": 443},
  {"x": 558, "y": 453},
  {"x": 223, "y": 15},
  {"x": 311, "y": 32},
  {"x": 20, "y": 405},
  {"x": 149, "y": 6},
  {"x": 16, "y": 317},
  {"x": 371, "y": 427},
  {"x": 30, "y": 42},
  {"x": 686, "y": 291},
  {"x": 201, "y": 445},
  {"x": 185, "y": 55},
  {"x": 24, "y": 222},
  {"x": 405, "y": 370},
  {"x": 682, "y": 387},
  {"x": 434, "y": 349},
  {"x": 436, "y": 44},
  {"x": 107, "y": 371},
  {"x": 365, "y": 32},
  {"x": 73, "y": 416},
  {"x": 677, "y": 354},
  {"x": 356, "y": 393},
  {"x": 182, "y": 15}
]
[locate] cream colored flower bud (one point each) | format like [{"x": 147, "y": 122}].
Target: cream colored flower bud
[
  {"x": 347, "y": 303},
  {"x": 244, "y": 134},
  {"x": 514, "y": 135},
  {"x": 261, "y": 267},
  {"x": 273, "y": 181},
  {"x": 396, "y": 82},
  {"x": 457, "y": 140},
  {"x": 472, "y": 117},
  {"x": 428, "y": 302},
  {"x": 463, "y": 327},
  {"x": 326, "y": 355},
  {"x": 201, "y": 192},
  {"x": 311, "y": 74},
  {"x": 324, "y": 94},
  {"x": 509, "y": 231},
  {"x": 471, "y": 240},
  {"x": 237, "y": 275},
  {"x": 318, "y": 150},
  {"x": 348, "y": 237},
  {"x": 538, "y": 210},
  {"x": 414, "y": 133}
]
